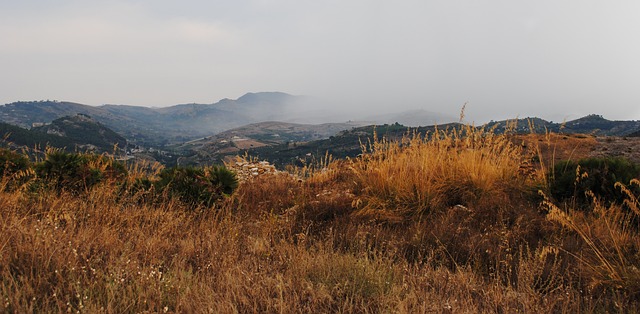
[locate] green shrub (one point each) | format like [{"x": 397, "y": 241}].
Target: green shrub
[
  {"x": 78, "y": 172},
  {"x": 14, "y": 169},
  {"x": 12, "y": 162},
  {"x": 224, "y": 178},
  {"x": 197, "y": 186},
  {"x": 572, "y": 179}
]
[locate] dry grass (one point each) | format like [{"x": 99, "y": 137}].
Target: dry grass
[
  {"x": 440, "y": 170},
  {"x": 446, "y": 223}
]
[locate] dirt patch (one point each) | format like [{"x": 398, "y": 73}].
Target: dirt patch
[
  {"x": 247, "y": 143},
  {"x": 557, "y": 147},
  {"x": 612, "y": 146}
]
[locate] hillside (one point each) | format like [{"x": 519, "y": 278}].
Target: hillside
[
  {"x": 14, "y": 136},
  {"x": 78, "y": 132},
  {"x": 85, "y": 132},
  {"x": 215, "y": 148},
  {"x": 466, "y": 222}
]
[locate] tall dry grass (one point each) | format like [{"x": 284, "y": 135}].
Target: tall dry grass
[
  {"x": 429, "y": 173},
  {"x": 608, "y": 242}
]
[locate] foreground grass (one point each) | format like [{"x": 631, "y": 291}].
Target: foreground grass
[{"x": 449, "y": 225}]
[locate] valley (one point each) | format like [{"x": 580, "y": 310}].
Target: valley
[{"x": 260, "y": 125}]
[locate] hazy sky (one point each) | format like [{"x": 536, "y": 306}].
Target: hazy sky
[{"x": 554, "y": 59}]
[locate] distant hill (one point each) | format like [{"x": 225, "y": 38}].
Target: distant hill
[
  {"x": 198, "y": 125},
  {"x": 15, "y": 136},
  {"x": 78, "y": 132},
  {"x": 84, "y": 132},
  {"x": 161, "y": 126},
  {"x": 215, "y": 148},
  {"x": 347, "y": 143},
  {"x": 591, "y": 124}
]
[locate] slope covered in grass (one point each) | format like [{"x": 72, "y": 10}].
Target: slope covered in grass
[{"x": 450, "y": 221}]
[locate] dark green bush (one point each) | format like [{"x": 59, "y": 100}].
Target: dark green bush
[
  {"x": 197, "y": 186},
  {"x": 13, "y": 169},
  {"x": 598, "y": 175},
  {"x": 12, "y": 162},
  {"x": 224, "y": 178},
  {"x": 78, "y": 172}
]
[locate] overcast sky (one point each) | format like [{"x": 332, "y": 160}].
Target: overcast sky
[{"x": 553, "y": 59}]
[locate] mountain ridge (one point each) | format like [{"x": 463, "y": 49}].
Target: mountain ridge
[{"x": 157, "y": 126}]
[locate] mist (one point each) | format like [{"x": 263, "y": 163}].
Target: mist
[{"x": 503, "y": 59}]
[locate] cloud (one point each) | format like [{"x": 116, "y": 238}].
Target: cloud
[
  {"x": 199, "y": 31},
  {"x": 108, "y": 28}
]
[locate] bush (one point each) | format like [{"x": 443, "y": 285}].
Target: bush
[
  {"x": 78, "y": 172},
  {"x": 197, "y": 186},
  {"x": 12, "y": 162},
  {"x": 13, "y": 169},
  {"x": 572, "y": 179},
  {"x": 224, "y": 178}
]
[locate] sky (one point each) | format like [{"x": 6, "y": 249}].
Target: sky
[{"x": 557, "y": 60}]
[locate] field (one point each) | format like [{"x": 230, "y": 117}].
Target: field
[{"x": 460, "y": 221}]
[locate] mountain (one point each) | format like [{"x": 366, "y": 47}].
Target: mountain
[
  {"x": 162, "y": 126},
  {"x": 25, "y": 113},
  {"x": 78, "y": 132}
]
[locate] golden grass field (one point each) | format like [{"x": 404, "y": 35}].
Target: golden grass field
[{"x": 456, "y": 222}]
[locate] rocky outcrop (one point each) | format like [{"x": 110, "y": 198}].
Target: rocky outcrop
[{"x": 246, "y": 170}]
